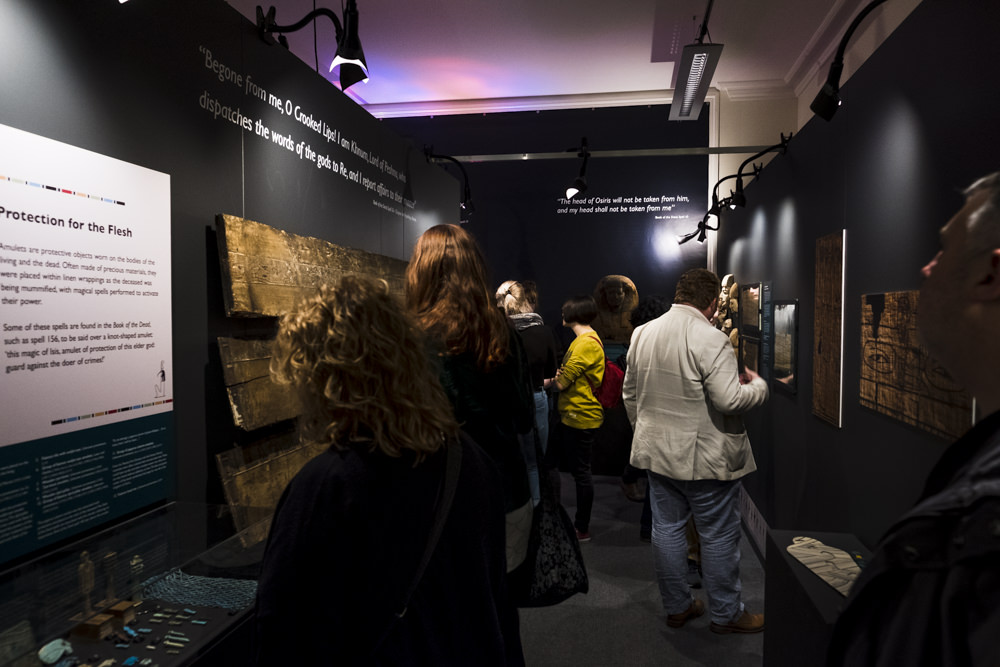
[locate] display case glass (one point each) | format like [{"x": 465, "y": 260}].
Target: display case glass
[
  {"x": 786, "y": 345},
  {"x": 750, "y": 310},
  {"x": 168, "y": 585}
]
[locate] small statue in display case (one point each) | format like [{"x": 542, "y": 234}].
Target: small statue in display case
[
  {"x": 728, "y": 310},
  {"x": 85, "y": 571},
  {"x": 109, "y": 563},
  {"x": 135, "y": 568}
]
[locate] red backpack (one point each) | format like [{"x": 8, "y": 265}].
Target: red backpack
[{"x": 609, "y": 392}]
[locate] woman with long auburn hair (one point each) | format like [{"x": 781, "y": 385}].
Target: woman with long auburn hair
[
  {"x": 352, "y": 526},
  {"x": 482, "y": 364},
  {"x": 446, "y": 290}
]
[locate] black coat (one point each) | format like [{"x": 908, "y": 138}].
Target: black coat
[
  {"x": 346, "y": 539},
  {"x": 493, "y": 408},
  {"x": 931, "y": 593}
]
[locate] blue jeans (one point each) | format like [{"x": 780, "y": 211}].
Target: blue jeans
[
  {"x": 542, "y": 417},
  {"x": 528, "y": 443},
  {"x": 715, "y": 506}
]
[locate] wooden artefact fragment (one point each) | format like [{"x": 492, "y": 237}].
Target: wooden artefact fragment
[
  {"x": 18, "y": 647},
  {"x": 265, "y": 271},
  {"x": 898, "y": 376},
  {"x": 97, "y": 626},
  {"x": 829, "y": 328},
  {"x": 255, "y": 400},
  {"x": 123, "y": 612},
  {"x": 254, "y": 476}
]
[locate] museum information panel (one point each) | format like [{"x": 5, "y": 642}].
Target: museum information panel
[{"x": 86, "y": 424}]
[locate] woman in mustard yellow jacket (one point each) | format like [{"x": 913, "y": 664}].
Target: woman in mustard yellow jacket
[{"x": 580, "y": 413}]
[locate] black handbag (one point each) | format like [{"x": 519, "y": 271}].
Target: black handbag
[{"x": 553, "y": 569}]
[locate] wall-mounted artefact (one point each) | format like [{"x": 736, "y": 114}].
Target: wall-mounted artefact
[
  {"x": 828, "y": 332},
  {"x": 786, "y": 345},
  {"x": 256, "y": 401},
  {"x": 898, "y": 377},
  {"x": 749, "y": 314},
  {"x": 750, "y": 354},
  {"x": 749, "y": 327},
  {"x": 255, "y": 476},
  {"x": 265, "y": 271}
]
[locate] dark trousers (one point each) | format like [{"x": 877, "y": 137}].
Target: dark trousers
[{"x": 578, "y": 445}]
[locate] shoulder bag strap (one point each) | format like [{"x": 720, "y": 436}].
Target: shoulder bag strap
[
  {"x": 453, "y": 467},
  {"x": 596, "y": 339},
  {"x": 592, "y": 389}
]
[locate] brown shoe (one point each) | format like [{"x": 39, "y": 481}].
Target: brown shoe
[
  {"x": 696, "y": 609},
  {"x": 747, "y": 623}
]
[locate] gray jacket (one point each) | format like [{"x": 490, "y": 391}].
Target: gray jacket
[{"x": 684, "y": 399}]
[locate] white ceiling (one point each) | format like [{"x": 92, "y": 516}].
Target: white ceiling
[{"x": 424, "y": 56}]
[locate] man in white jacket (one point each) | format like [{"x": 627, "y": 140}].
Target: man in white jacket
[{"x": 684, "y": 396}]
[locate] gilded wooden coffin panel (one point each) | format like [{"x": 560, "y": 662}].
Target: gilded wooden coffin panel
[
  {"x": 255, "y": 400},
  {"x": 254, "y": 476},
  {"x": 265, "y": 271}
]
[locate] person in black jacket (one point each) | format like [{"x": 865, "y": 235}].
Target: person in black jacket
[
  {"x": 931, "y": 593},
  {"x": 541, "y": 349},
  {"x": 350, "y": 529}
]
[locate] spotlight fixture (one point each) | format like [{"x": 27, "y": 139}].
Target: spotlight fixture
[
  {"x": 827, "y": 100},
  {"x": 350, "y": 56},
  {"x": 716, "y": 208},
  {"x": 349, "y": 51},
  {"x": 579, "y": 184},
  {"x": 466, "y": 207},
  {"x": 694, "y": 74},
  {"x": 738, "y": 198},
  {"x": 701, "y": 232}
]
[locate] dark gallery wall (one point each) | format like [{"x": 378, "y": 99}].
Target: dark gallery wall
[
  {"x": 528, "y": 233},
  {"x": 153, "y": 84},
  {"x": 913, "y": 130},
  {"x": 625, "y": 223}
]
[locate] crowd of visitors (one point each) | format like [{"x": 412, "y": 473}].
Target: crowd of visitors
[{"x": 437, "y": 409}]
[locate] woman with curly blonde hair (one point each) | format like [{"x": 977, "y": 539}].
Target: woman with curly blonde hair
[
  {"x": 482, "y": 364},
  {"x": 350, "y": 529}
]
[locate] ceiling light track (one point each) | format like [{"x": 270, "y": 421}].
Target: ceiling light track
[
  {"x": 640, "y": 152},
  {"x": 734, "y": 199}
]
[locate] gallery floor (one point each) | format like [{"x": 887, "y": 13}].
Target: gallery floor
[{"x": 620, "y": 621}]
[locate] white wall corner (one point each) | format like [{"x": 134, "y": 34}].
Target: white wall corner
[
  {"x": 759, "y": 122},
  {"x": 875, "y": 29}
]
